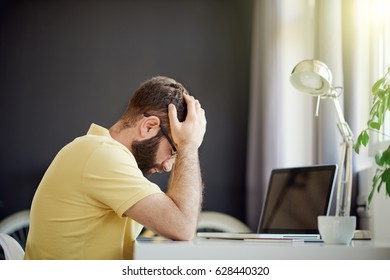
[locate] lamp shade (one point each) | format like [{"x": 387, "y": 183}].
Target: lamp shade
[{"x": 312, "y": 77}]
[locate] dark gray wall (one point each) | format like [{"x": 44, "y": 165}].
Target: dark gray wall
[{"x": 65, "y": 64}]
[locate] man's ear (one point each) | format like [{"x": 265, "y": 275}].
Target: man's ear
[{"x": 149, "y": 127}]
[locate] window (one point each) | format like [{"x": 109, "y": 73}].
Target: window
[{"x": 380, "y": 61}]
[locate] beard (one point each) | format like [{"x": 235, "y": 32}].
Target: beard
[{"x": 145, "y": 153}]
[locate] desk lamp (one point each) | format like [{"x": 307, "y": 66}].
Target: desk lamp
[{"x": 315, "y": 78}]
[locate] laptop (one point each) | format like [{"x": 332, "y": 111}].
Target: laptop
[{"x": 295, "y": 198}]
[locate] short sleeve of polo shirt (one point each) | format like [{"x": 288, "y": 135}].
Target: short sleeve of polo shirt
[{"x": 112, "y": 178}]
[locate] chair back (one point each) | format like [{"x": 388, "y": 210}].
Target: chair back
[
  {"x": 17, "y": 225},
  {"x": 217, "y": 221},
  {"x": 11, "y": 247}
]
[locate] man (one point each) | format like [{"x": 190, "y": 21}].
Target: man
[{"x": 94, "y": 198}]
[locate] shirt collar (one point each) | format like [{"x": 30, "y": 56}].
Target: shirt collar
[{"x": 98, "y": 130}]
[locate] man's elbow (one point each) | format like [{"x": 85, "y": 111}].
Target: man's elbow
[{"x": 184, "y": 234}]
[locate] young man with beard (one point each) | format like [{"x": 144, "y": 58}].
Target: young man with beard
[{"x": 94, "y": 199}]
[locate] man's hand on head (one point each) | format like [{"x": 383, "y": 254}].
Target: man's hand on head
[{"x": 189, "y": 133}]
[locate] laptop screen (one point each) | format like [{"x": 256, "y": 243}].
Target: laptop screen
[{"x": 295, "y": 198}]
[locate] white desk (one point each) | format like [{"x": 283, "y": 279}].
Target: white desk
[{"x": 215, "y": 249}]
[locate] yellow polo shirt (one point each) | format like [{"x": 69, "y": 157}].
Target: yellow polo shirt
[{"x": 77, "y": 210}]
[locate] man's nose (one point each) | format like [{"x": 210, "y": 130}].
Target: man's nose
[{"x": 168, "y": 164}]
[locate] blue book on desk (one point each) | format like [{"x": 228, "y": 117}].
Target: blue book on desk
[{"x": 295, "y": 198}]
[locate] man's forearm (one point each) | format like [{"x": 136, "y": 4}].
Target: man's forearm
[{"x": 186, "y": 185}]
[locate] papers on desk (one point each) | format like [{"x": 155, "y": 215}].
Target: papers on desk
[
  {"x": 274, "y": 240},
  {"x": 284, "y": 240}
]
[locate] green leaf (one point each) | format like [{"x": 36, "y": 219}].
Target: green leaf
[
  {"x": 376, "y": 85},
  {"x": 386, "y": 179},
  {"x": 388, "y": 100},
  {"x": 365, "y": 138},
  {"x": 375, "y": 182},
  {"x": 356, "y": 147},
  {"x": 386, "y": 176},
  {"x": 370, "y": 196},
  {"x": 374, "y": 125},
  {"x": 381, "y": 94},
  {"x": 379, "y": 180},
  {"x": 374, "y": 109},
  {"x": 380, "y": 113},
  {"x": 384, "y": 107},
  {"x": 378, "y": 158},
  {"x": 386, "y": 157},
  {"x": 362, "y": 139},
  {"x": 387, "y": 188}
]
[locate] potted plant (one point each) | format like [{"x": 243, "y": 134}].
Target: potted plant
[{"x": 380, "y": 106}]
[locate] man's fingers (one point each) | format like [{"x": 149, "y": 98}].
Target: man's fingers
[
  {"x": 191, "y": 130},
  {"x": 198, "y": 107},
  {"x": 193, "y": 105},
  {"x": 172, "y": 114}
]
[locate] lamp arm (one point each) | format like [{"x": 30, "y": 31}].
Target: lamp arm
[
  {"x": 344, "y": 180},
  {"x": 343, "y": 126}
]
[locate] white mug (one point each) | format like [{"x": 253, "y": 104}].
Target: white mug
[{"x": 336, "y": 229}]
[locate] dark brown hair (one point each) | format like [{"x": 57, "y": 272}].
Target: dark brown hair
[{"x": 153, "y": 97}]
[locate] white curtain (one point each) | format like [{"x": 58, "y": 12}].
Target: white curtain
[
  {"x": 283, "y": 129},
  {"x": 281, "y": 120}
]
